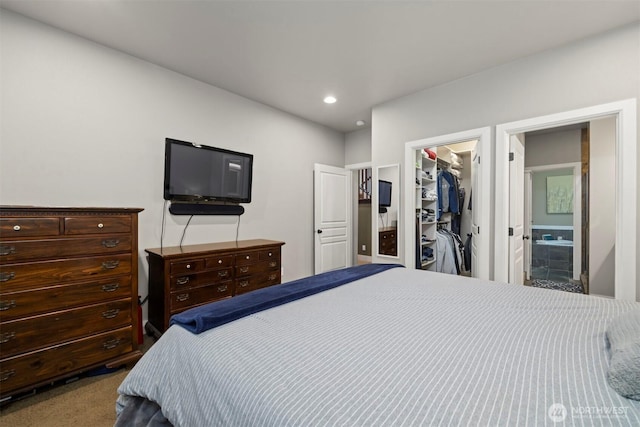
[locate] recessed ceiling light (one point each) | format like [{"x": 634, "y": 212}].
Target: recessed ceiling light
[
  {"x": 330, "y": 99},
  {"x": 359, "y": 122}
]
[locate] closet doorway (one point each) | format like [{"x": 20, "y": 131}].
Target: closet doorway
[{"x": 444, "y": 177}]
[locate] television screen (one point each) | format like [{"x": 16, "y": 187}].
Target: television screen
[
  {"x": 384, "y": 193},
  {"x": 194, "y": 172}
]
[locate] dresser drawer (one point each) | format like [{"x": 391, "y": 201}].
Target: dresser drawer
[
  {"x": 270, "y": 254},
  {"x": 262, "y": 280},
  {"x": 201, "y": 279},
  {"x": 270, "y": 278},
  {"x": 59, "y": 297},
  {"x": 214, "y": 277},
  {"x": 250, "y": 269},
  {"x": 97, "y": 225},
  {"x": 191, "y": 266},
  {"x": 26, "y": 250},
  {"x": 41, "y": 331},
  {"x": 222, "y": 261},
  {"x": 246, "y": 284},
  {"x": 197, "y": 296},
  {"x": 14, "y": 277},
  {"x": 61, "y": 360},
  {"x": 245, "y": 258},
  {"x": 16, "y": 228}
]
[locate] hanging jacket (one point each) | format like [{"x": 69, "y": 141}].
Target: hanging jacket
[{"x": 448, "y": 197}]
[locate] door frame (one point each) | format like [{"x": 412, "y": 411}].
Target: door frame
[
  {"x": 484, "y": 150},
  {"x": 354, "y": 168},
  {"x": 626, "y": 186},
  {"x": 577, "y": 208}
]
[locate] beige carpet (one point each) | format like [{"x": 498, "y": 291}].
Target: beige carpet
[
  {"x": 87, "y": 402},
  {"x": 90, "y": 401}
]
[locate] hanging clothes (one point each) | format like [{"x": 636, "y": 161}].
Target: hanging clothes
[
  {"x": 445, "y": 256},
  {"x": 448, "y": 193},
  {"x": 467, "y": 253}
]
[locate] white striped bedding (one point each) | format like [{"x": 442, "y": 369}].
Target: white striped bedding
[{"x": 402, "y": 347}]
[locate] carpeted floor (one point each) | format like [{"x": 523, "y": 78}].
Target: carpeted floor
[
  {"x": 89, "y": 401},
  {"x": 561, "y": 286}
]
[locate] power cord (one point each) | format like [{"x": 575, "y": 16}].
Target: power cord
[{"x": 185, "y": 230}]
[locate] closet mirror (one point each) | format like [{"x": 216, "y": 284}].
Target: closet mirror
[{"x": 388, "y": 206}]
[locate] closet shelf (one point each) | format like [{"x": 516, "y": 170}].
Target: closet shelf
[{"x": 428, "y": 263}]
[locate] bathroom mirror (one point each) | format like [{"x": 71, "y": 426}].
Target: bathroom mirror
[{"x": 388, "y": 218}]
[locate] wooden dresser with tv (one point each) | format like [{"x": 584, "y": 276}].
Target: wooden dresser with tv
[
  {"x": 68, "y": 293},
  {"x": 185, "y": 277}
]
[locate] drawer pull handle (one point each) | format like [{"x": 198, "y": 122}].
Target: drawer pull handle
[
  {"x": 110, "y": 314},
  {"x": 110, "y": 265},
  {"x": 273, "y": 264},
  {"x": 5, "y": 375},
  {"x": 6, "y": 305},
  {"x": 16, "y": 228},
  {"x": 270, "y": 254},
  {"x": 219, "y": 261},
  {"x": 5, "y": 277},
  {"x": 223, "y": 273},
  {"x": 222, "y": 288},
  {"x": 244, "y": 283},
  {"x": 182, "y": 280},
  {"x": 273, "y": 276},
  {"x": 7, "y": 336},
  {"x": 100, "y": 225},
  {"x": 110, "y": 243},
  {"x": 111, "y": 344},
  {"x": 110, "y": 287},
  {"x": 244, "y": 269},
  {"x": 7, "y": 250},
  {"x": 248, "y": 257},
  {"x": 182, "y": 297}
]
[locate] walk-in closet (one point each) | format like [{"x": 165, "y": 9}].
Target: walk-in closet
[{"x": 444, "y": 177}]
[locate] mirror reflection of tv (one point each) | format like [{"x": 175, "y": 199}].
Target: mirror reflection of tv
[
  {"x": 384, "y": 194},
  {"x": 199, "y": 173}
]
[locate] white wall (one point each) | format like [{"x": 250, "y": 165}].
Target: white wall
[
  {"x": 84, "y": 125},
  {"x": 589, "y": 72},
  {"x": 552, "y": 148},
  {"x": 602, "y": 228},
  {"x": 357, "y": 147}
]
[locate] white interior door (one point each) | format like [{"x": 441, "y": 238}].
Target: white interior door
[
  {"x": 528, "y": 215},
  {"x": 332, "y": 217},
  {"x": 516, "y": 209}
]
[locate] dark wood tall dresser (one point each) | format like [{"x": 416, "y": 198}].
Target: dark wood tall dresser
[
  {"x": 184, "y": 277},
  {"x": 68, "y": 293},
  {"x": 388, "y": 241}
]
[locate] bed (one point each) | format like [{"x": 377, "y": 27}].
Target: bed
[{"x": 389, "y": 346}]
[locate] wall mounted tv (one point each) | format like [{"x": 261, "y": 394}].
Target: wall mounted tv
[
  {"x": 384, "y": 194},
  {"x": 197, "y": 173}
]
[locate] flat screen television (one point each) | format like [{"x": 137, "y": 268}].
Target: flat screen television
[
  {"x": 384, "y": 194},
  {"x": 199, "y": 173}
]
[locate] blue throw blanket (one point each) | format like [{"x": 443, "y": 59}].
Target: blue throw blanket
[{"x": 208, "y": 316}]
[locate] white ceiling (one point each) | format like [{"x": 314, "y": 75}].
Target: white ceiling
[{"x": 290, "y": 54}]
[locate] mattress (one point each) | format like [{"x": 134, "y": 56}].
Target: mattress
[{"x": 401, "y": 347}]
